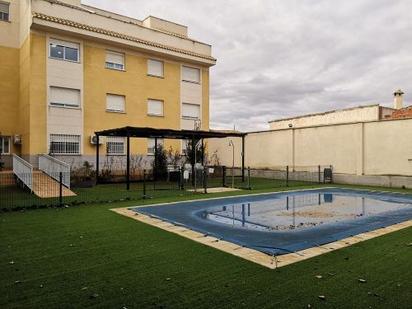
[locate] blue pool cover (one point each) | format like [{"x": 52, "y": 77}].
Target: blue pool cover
[{"x": 266, "y": 208}]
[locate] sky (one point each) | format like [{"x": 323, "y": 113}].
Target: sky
[{"x": 279, "y": 58}]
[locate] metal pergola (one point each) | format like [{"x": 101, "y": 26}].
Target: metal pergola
[{"x": 144, "y": 132}]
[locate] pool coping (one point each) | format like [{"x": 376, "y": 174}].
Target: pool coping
[{"x": 252, "y": 255}]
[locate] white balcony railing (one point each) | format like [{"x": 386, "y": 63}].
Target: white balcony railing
[
  {"x": 23, "y": 170},
  {"x": 53, "y": 167}
]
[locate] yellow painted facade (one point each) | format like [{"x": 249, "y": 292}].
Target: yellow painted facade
[
  {"x": 137, "y": 87},
  {"x": 9, "y": 90},
  {"x": 25, "y": 79}
]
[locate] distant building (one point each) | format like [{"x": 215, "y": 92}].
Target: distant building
[{"x": 365, "y": 113}]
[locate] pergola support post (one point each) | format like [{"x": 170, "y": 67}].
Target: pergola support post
[
  {"x": 155, "y": 161},
  {"x": 243, "y": 158},
  {"x": 128, "y": 162},
  {"x": 193, "y": 160},
  {"x": 97, "y": 158}
]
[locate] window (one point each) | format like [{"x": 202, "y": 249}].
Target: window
[
  {"x": 64, "y": 50},
  {"x": 4, "y": 145},
  {"x": 191, "y": 75},
  {"x": 115, "y": 103},
  {"x": 114, "y": 60},
  {"x": 4, "y": 11},
  {"x": 191, "y": 111},
  {"x": 64, "y": 144},
  {"x": 115, "y": 145},
  {"x": 185, "y": 145},
  {"x": 151, "y": 145},
  {"x": 155, "y": 68},
  {"x": 64, "y": 97},
  {"x": 155, "y": 107}
]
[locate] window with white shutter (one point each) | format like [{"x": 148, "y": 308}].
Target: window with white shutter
[
  {"x": 114, "y": 60},
  {"x": 4, "y": 11},
  {"x": 115, "y": 103},
  {"x": 64, "y": 97},
  {"x": 154, "y": 107},
  {"x": 151, "y": 145},
  {"x": 115, "y": 145},
  {"x": 64, "y": 144},
  {"x": 190, "y": 111},
  {"x": 191, "y": 75},
  {"x": 64, "y": 50},
  {"x": 155, "y": 68}
]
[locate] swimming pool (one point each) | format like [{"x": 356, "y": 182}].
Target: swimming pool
[{"x": 279, "y": 223}]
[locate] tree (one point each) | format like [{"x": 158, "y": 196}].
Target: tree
[{"x": 159, "y": 163}]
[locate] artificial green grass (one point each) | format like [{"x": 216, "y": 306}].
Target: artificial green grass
[{"x": 89, "y": 256}]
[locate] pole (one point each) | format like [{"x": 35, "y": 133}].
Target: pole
[
  {"x": 97, "y": 159},
  {"x": 319, "y": 177},
  {"x": 61, "y": 189},
  {"x": 243, "y": 158},
  {"x": 248, "y": 179},
  {"x": 144, "y": 184},
  {"x": 205, "y": 179},
  {"x": 203, "y": 152},
  {"x": 155, "y": 162},
  {"x": 287, "y": 176},
  {"x": 223, "y": 176},
  {"x": 128, "y": 163},
  {"x": 233, "y": 162},
  {"x": 193, "y": 161}
]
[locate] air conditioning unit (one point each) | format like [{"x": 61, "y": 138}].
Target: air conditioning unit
[
  {"x": 93, "y": 140},
  {"x": 17, "y": 139}
]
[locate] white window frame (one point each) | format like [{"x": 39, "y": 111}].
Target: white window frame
[
  {"x": 153, "y": 74},
  {"x": 2, "y": 142},
  {"x": 118, "y": 148},
  {"x": 5, "y": 16},
  {"x": 150, "y": 148},
  {"x": 64, "y": 139},
  {"x": 192, "y": 81},
  {"x": 191, "y": 117},
  {"x": 62, "y": 43},
  {"x": 64, "y": 104},
  {"x": 110, "y": 110},
  {"x": 154, "y": 114},
  {"x": 116, "y": 65}
]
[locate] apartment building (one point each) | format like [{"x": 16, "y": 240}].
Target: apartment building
[{"x": 69, "y": 69}]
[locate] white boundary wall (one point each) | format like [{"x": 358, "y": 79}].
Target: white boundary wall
[{"x": 377, "y": 148}]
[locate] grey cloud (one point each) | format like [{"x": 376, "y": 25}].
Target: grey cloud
[{"x": 282, "y": 58}]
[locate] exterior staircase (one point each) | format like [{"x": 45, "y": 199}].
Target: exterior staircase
[{"x": 45, "y": 181}]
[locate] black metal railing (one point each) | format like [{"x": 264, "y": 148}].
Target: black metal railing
[{"x": 181, "y": 181}]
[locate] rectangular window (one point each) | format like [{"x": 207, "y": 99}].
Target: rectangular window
[
  {"x": 191, "y": 75},
  {"x": 4, "y": 11},
  {"x": 115, "y": 103},
  {"x": 64, "y": 97},
  {"x": 115, "y": 145},
  {"x": 114, "y": 60},
  {"x": 154, "y": 107},
  {"x": 185, "y": 144},
  {"x": 4, "y": 145},
  {"x": 64, "y": 50},
  {"x": 190, "y": 111},
  {"x": 155, "y": 68},
  {"x": 64, "y": 144},
  {"x": 151, "y": 145}
]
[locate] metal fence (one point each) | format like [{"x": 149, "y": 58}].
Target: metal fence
[{"x": 178, "y": 182}]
